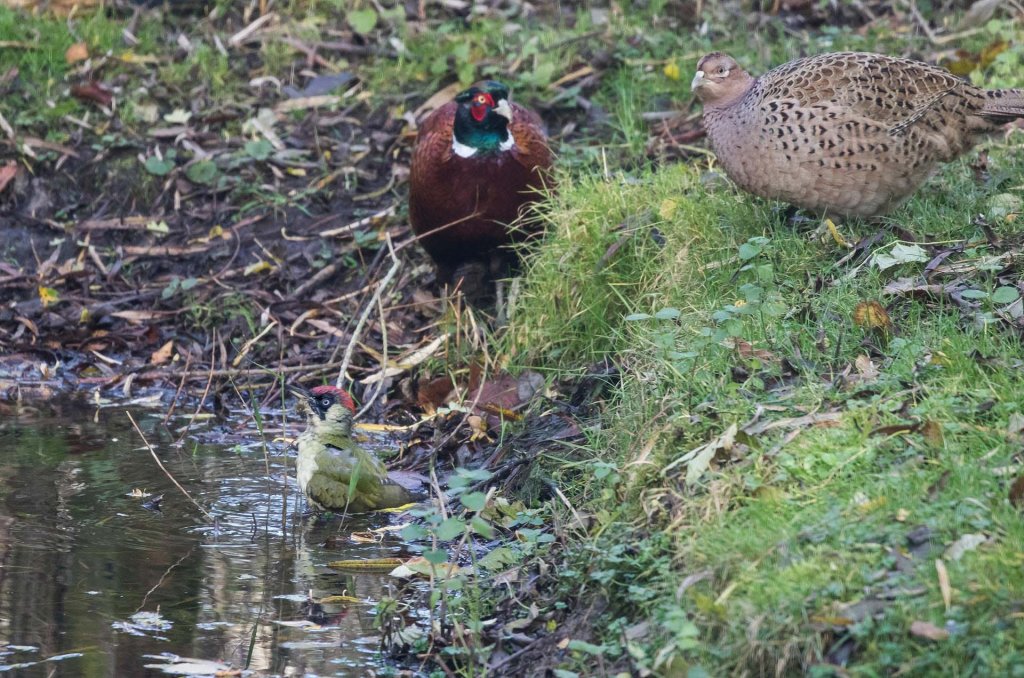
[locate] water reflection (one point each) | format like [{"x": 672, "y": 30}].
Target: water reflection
[{"x": 94, "y": 581}]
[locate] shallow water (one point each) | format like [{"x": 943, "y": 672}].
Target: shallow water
[{"x": 92, "y": 581}]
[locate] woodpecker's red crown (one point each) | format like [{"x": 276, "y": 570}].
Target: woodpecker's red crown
[{"x": 323, "y": 397}]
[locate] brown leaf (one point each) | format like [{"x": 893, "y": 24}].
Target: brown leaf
[
  {"x": 893, "y": 429},
  {"x": 871, "y": 315},
  {"x": 7, "y": 173},
  {"x": 76, "y": 52},
  {"x": 1017, "y": 492},
  {"x": 929, "y": 631},
  {"x": 747, "y": 350},
  {"x": 931, "y": 431},
  {"x": 866, "y": 368},
  {"x": 94, "y": 92},
  {"x": 433, "y": 393},
  {"x": 437, "y": 100},
  {"x": 162, "y": 354}
]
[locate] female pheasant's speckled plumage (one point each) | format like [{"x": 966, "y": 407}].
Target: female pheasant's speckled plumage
[{"x": 848, "y": 133}]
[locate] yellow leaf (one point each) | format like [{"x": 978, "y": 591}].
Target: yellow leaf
[
  {"x": 366, "y": 565},
  {"x": 216, "y": 232},
  {"x": 872, "y": 504},
  {"x": 258, "y": 267},
  {"x": 671, "y": 70},
  {"x": 48, "y": 296},
  {"x": 363, "y": 538},
  {"x": 944, "y": 585},
  {"x": 133, "y": 58},
  {"x": 871, "y": 315},
  {"x": 667, "y": 209},
  {"x": 162, "y": 354},
  {"x": 84, "y": 316},
  {"x": 396, "y": 509},
  {"x": 836, "y": 235},
  {"x": 296, "y": 171}
]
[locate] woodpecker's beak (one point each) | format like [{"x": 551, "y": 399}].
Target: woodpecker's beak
[
  {"x": 299, "y": 392},
  {"x": 504, "y": 110},
  {"x": 698, "y": 80}
]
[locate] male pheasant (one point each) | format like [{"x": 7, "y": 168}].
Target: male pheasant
[{"x": 478, "y": 162}]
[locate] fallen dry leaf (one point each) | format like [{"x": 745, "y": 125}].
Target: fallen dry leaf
[
  {"x": 94, "y": 92},
  {"x": 437, "y": 100},
  {"x": 944, "y": 586},
  {"x": 866, "y": 368},
  {"x": 923, "y": 629},
  {"x": 7, "y": 173},
  {"x": 871, "y": 315},
  {"x": 1017, "y": 492},
  {"x": 162, "y": 354},
  {"x": 366, "y": 565},
  {"x": 965, "y": 544},
  {"x": 931, "y": 431},
  {"x": 76, "y": 52}
]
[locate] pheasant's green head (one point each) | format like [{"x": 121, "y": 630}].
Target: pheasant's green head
[{"x": 482, "y": 120}]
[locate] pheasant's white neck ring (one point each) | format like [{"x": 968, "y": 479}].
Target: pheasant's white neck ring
[{"x": 464, "y": 151}]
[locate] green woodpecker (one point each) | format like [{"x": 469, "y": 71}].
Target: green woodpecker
[{"x": 333, "y": 471}]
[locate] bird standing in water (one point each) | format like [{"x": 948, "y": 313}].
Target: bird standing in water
[
  {"x": 478, "y": 162},
  {"x": 334, "y": 472},
  {"x": 848, "y": 133}
]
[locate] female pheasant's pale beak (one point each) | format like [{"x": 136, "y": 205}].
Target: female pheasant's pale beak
[
  {"x": 504, "y": 110},
  {"x": 697, "y": 81}
]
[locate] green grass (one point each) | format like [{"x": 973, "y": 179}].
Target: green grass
[{"x": 789, "y": 532}]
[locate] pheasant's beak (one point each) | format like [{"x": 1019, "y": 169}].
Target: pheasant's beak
[
  {"x": 698, "y": 80},
  {"x": 504, "y": 110}
]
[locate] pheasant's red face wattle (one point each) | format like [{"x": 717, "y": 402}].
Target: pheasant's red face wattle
[{"x": 482, "y": 103}]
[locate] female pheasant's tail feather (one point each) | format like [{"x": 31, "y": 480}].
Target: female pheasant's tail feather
[{"x": 1003, "y": 105}]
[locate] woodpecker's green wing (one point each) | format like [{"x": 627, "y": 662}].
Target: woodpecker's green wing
[{"x": 347, "y": 477}]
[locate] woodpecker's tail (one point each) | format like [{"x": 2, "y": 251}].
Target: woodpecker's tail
[
  {"x": 393, "y": 495},
  {"x": 1003, "y": 105}
]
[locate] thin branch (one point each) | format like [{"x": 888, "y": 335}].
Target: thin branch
[
  {"x": 384, "y": 282},
  {"x": 162, "y": 468}
]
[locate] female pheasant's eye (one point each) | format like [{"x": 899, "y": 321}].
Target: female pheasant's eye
[{"x": 723, "y": 71}]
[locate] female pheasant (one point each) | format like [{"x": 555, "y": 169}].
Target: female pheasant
[
  {"x": 849, "y": 133},
  {"x": 333, "y": 471},
  {"x": 478, "y": 161}
]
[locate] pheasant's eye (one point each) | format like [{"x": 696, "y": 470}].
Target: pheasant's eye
[
  {"x": 481, "y": 100},
  {"x": 325, "y": 402},
  {"x": 723, "y": 71}
]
